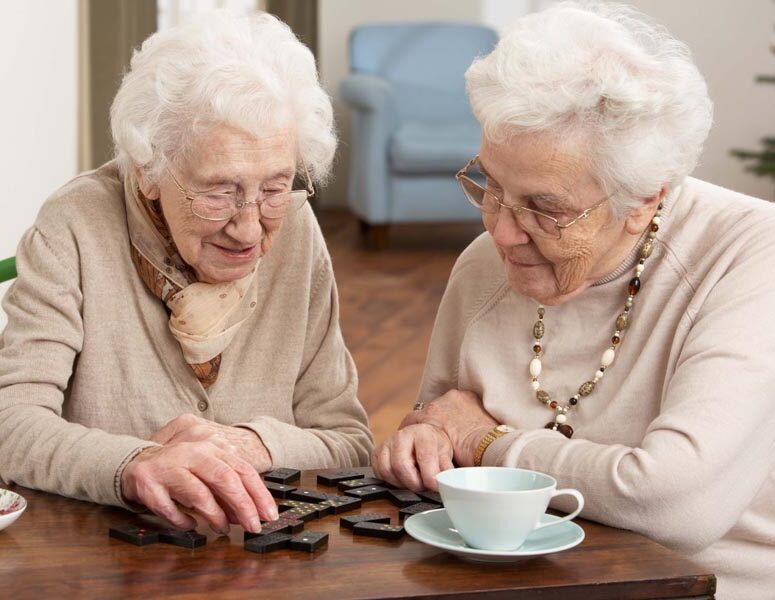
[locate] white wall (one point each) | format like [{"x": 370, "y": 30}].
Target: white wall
[
  {"x": 336, "y": 18},
  {"x": 38, "y": 110},
  {"x": 730, "y": 42}
]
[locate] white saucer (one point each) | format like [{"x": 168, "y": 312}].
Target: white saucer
[{"x": 435, "y": 528}]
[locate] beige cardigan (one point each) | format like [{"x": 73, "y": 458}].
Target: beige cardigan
[
  {"x": 678, "y": 439},
  {"x": 89, "y": 369}
]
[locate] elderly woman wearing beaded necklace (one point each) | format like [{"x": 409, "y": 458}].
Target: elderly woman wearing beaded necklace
[{"x": 594, "y": 332}]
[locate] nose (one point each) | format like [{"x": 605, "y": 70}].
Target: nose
[
  {"x": 507, "y": 231},
  {"x": 245, "y": 227}
]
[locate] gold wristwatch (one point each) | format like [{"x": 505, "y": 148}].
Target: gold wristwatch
[{"x": 491, "y": 436}]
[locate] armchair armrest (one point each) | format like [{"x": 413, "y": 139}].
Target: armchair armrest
[
  {"x": 373, "y": 120},
  {"x": 367, "y": 93}
]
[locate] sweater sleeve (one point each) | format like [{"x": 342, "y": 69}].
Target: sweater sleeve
[
  {"x": 38, "y": 351},
  {"x": 710, "y": 449},
  {"x": 331, "y": 427},
  {"x": 474, "y": 285}
]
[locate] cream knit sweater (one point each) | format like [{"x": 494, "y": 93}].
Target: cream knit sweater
[
  {"x": 89, "y": 369},
  {"x": 678, "y": 439}
]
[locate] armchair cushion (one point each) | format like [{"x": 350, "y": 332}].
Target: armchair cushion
[{"x": 433, "y": 147}]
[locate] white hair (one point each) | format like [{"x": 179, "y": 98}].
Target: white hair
[
  {"x": 605, "y": 75},
  {"x": 251, "y": 73}
]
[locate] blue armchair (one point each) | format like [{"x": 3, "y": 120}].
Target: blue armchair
[{"x": 412, "y": 127}]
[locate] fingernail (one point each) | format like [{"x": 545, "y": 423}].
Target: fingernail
[
  {"x": 225, "y": 530},
  {"x": 255, "y": 525},
  {"x": 274, "y": 514}
]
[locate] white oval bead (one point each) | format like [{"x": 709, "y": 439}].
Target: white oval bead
[
  {"x": 535, "y": 367},
  {"x": 535, "y": 385},
  {"x": 639, "y": 270},
  {"x": 560, "y": 419},
  {"x": 607, "y": 358},
  {"x": 656, "y": 220},
  {"x": 599, "y": 374}
]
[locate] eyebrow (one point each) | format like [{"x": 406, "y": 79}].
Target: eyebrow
[
  {"x": 216, "y": 181},
  {"x": 538, "y": 196}
]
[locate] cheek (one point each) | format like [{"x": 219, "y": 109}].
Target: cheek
[
  {"x": 489, "y": 221},
  {"x": 191, "y": 234},
  {"x": 271, "y": 226},
  {"x": 573, "y": 265}
]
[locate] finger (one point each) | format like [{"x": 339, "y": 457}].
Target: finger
[
  {"x": 411, "y": 419},
  {"x": 445, "y": 462},
  {"x": 402, "y": 461},
  {"x": 173, "y": 428},
  {"x": 426, "y": 453},
  {"x": 230, "y": 516},
  {"x": 381, "y": 465},
  {"x": 155, "y": 497},
  {"x": 254, "y": 485},
  {"x": 190, "y": 491},
  {"x": 227, "y": 486}
]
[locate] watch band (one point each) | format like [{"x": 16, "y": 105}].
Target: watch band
[{"x": 488, "y": 439}]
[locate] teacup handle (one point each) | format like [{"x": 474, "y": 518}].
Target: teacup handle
[{"x": 566, "y": 492}]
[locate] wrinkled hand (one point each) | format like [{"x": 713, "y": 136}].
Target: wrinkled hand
[
  {"x": 463, "y": 419},
  {"x": 204, "y": 466},
  {"x": 413, "y": 456},
  {"x": 214, "y": 483},
  {"x": 238, "y": 441}
]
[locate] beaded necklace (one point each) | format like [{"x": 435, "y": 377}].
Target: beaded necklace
[{"x": 585, "y": 389}]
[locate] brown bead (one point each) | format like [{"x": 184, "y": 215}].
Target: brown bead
[
  {"x": 573, "y": 401},
  {"x": 541, "y": 312},
  {"x": 586, "y": 388},
  {"x": 615, "y": 340},
  {"x": 654, "y": 227},
  {"x": 645, "y": 251},
  {"x": 553, "y": 404},
  {"x": 634, "y": 286},
  {"x": 566, "y": 430},
  {"x": 543, "y": 396},
  {"x": 537, "y": 348},
  {"x": 538, "y": 330},
  {"x": 621, "y": 322},
  {"x": 551, "y": 425}
]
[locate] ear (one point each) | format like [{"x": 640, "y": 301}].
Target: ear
[
  {"x": 638, "y": 219},
  {"x": 149, "y": 190}
]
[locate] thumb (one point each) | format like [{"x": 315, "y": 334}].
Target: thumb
[{"x": 165, "y": 434}]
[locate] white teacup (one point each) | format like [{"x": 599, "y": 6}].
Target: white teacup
[{"x": 496, "y": 508}]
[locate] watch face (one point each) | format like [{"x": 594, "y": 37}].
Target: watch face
[{"x": 505, "y": 428}]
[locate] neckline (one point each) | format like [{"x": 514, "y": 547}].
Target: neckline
[{"x": 634, "y": 254}]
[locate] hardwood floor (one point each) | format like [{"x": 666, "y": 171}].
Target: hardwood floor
[{"x": 388, "y": 301}]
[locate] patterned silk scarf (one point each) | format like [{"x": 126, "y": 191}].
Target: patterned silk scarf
[{"x": 204, "y": 317}]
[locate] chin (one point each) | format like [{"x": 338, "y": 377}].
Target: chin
[
  {"x": 223, "y": 275},
  {"x": 529, "y": 283}
]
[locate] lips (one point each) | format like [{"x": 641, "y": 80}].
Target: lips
[
  {"x": 240, "y": 253},
  {"x": 522, "y": 263}
]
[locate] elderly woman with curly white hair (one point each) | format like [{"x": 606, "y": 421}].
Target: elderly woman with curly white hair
[
  {"x": 614, "y": 326},
  {"x": 174, "y": 327}
]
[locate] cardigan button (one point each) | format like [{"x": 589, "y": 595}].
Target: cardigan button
[{"x": 202, "y": 405}]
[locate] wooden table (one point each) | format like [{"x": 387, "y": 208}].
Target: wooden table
[{"x": 60, "y": 548}]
